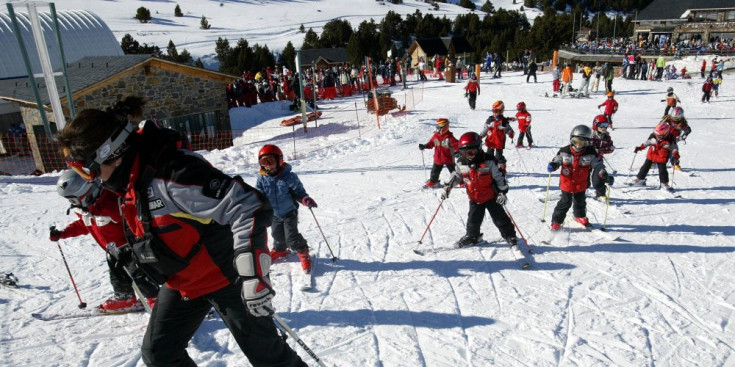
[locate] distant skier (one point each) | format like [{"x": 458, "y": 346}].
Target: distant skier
[
  {"x": 496, "y": 127},
  {"x": 661, "y": 145},
  {"x": 602, "y": 142},
  {"x": 445, "y": 146},
  {"x": 486, "y": 189},
  {"x": 577, "y": 161},
  {"x": 671, "y": 100},
  {"x": 524, "y": 124},
  {"x": 99, "y": 216},
  {"x": 707, "y": 89},
  {"x": 472, "y": 90},
  {"x": 611, "y": 106}
]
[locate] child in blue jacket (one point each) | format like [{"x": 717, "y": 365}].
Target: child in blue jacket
[{"x": 284, "y": 190}]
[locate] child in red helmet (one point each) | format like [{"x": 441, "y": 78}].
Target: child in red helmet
[
  {"x": 445, "y": 146},
  {"x": 603, "y": 143},
  {"x": 496, "y": 127},
  {"x": 472, "y": 90},
  {"x": 524, "y": 124},
  {"x": 577, "y": 161},
  {"x": 661, "y": 145},
  {"x": 284, "y": 190},
  {"x": 486, "y": 188},
  {"x": 611, "y": 106}
]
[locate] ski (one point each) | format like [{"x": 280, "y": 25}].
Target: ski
[
  {"x": 81, "y": 314},
  {"x": 519, "y": 256},
  {"x": 596, "y": 230}
]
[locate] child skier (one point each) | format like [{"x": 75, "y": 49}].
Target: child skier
[
  {"x": 472, "y": 90},
  {"x": 707, "y": 89},
  {"x": 671, "y": 100},
  {"x": 98, "y": 215},
  {"x": 486, "y": 188},
  {"x": 524, "y": 124},
  {"x": 283, "y": 189},
  {"x": 602, "y": 142},
  {"x": 496, "y": 127},
  {"x": 716, "y": 83},
  {"x": 661, "y": 145},
  {"x": 577, "y": 161},
  {"x": 445, "y": 146},
  {"x": 680, "y": 129},
  {"x": 611, "y": 106}
]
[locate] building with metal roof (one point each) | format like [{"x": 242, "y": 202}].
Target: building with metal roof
[{"x": 686, "y": 20}]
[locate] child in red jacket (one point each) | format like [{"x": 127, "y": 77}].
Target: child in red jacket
[
  {"x": 99, "y": 216},
  {"x": 577, "y": 161},
  {"x": 661, "y": 145},
  {"x": 611, "y": 106},
  {"x": 707, "y": 89},
  {"x": 445, "y": 145},
  {"x": 524, "y": 124},
  {"x": 496, "y": 127}
]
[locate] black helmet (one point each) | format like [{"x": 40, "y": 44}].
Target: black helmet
[
  {"x": 79, "y": 192},
  {"x": 580, "y": 137}
]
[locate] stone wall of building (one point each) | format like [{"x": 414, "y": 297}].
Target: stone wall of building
[{"x": 169, "y": 94}]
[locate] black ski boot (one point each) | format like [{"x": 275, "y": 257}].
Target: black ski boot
[
  {"x": 512, "y": 241},
  {"x": 467, "y": 241},
  {"x": 9, "y": 279}
]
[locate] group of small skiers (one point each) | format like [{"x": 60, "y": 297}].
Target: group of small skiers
[{"x": 581, "y": 162}]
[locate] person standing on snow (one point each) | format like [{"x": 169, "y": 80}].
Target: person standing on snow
[
  {"x": 496, "y": 127},
  {"x": 445, "y": 147},
  {"x": 524, "y": 124},
  {"x": 567, "y": 75},
  {"x": 472, "y": 90},
  {"x": 609, "y": 77},
  {"x": 532, "y": 67},
  {"x": 584, "y": 87},
  {"x": 611, "y": 106},
  {"x": 486, "y": 189},
  {"x": 283, "y": 189},
  {"x": 577, "y": 162},
  {"x": 661, "y": 145},
  {"x": 671, "y": 100},
  {"x": 680, "y": 130},
  {"x": 596, "y": 76},
  {"x": 99, "y": 216},
  {"x": 707, "y": 89},
  {"x": 202, "y": 233},
  {"x": 602, "y": 142}
]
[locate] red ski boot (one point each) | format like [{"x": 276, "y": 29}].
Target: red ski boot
[
  {"x": 305, "y": 261},
  {"x": 583, "y": 221},
  {"x": 119, "y": 305},
  {"x": 275, "y": 255}
]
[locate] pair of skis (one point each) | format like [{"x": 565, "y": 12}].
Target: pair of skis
[{"x": 518, "y": 255}]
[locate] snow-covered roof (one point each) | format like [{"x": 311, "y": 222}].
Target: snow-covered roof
[{"x": 82, "y": 33}]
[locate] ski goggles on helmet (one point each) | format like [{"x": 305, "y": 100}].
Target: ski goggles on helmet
[
  {"x": 604, "y": 125},
  {"x": 267, "y": 160},
  {"x": 579, "y": 143},
  {"x": 114, "y": 147}
]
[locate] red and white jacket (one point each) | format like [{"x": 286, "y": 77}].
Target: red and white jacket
[
  {"x": 495, "y": 131},
  {"x": 524, "y": 121},
  {"x": 603, "y": 143},
  {"x": 444, "y": 145},
  {"x": 659, "y": 150},
  {"x": 576, "y": 168},
  {"x": 102, "y": 220},
  {"x": 481, "y": 178}
]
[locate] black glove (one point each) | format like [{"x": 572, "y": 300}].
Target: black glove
[
  {"x": 610, "y": 180},
  {"x": 54, "y": 234},
  {"x": 422, "y": 146}
]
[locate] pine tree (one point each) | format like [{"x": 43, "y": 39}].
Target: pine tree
[
  {"x": 171, "y": 52},
  {"x": 204, "y": 24},
  {"x": 288, "y": 56},
  {"x": 143, "y": 15},
  {"x": 468, "y": 4},
  {"x": 489, "y": 8},
  {"x": 302, "y": 29},
  {"x": 177, "y": 11},
  {"x": 311, "y": 40},
  {"x": 129, "y": 44},
  {"x": 199, "y": 63}
]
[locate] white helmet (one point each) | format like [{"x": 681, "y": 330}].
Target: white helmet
[{"x": 79, "y": 192}]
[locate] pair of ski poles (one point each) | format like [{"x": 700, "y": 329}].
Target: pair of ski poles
[{"x": 607, "y": 203}]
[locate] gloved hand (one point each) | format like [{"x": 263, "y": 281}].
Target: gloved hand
[
  {"x": 257, "y": 292},
  {"x": 502, "y": 199},
  {"x": 54, "y": 234},
  {"x": 308, "y": 202},
  {"x": 445, "y": 192},
  {"x": 511, "y": 133},
  {"x": 610, "y": 180},
  {"x": 639, "y": 148},
  {"x": 675, "y": 155},
  {"x": 466, "y": 94},
  {"x": 551, "y": 167},
  {"x": 422, "y": 146}
]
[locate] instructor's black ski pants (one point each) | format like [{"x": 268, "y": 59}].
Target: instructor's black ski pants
[
  {"x": 565, "y": 202},
  {"x": 174, "y": 321},
  {"x": 497, "y": 213}
]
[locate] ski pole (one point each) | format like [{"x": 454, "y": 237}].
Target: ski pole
[
  {"x": 614, "y": 171},
  {"x": 429, "y": 225},
  {"x": 530, "y": 250},
  {"x": 334, "y": 258},
  {"x": 673, "y": 170},
  {"x": 633, "y": 161},
  {"x": 423, "y": 161},
  {"x": 81, "y": 303},
  {"x": 607, "y": 206},
  {"x": 293, "y": 334},
  {"x": 546, "y": 201}
]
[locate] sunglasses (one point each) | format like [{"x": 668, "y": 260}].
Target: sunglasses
[
  {"x": 580, "y": 142},
  {"x": 267, "y": 160},
  {"x": 603, "y": 125}
]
